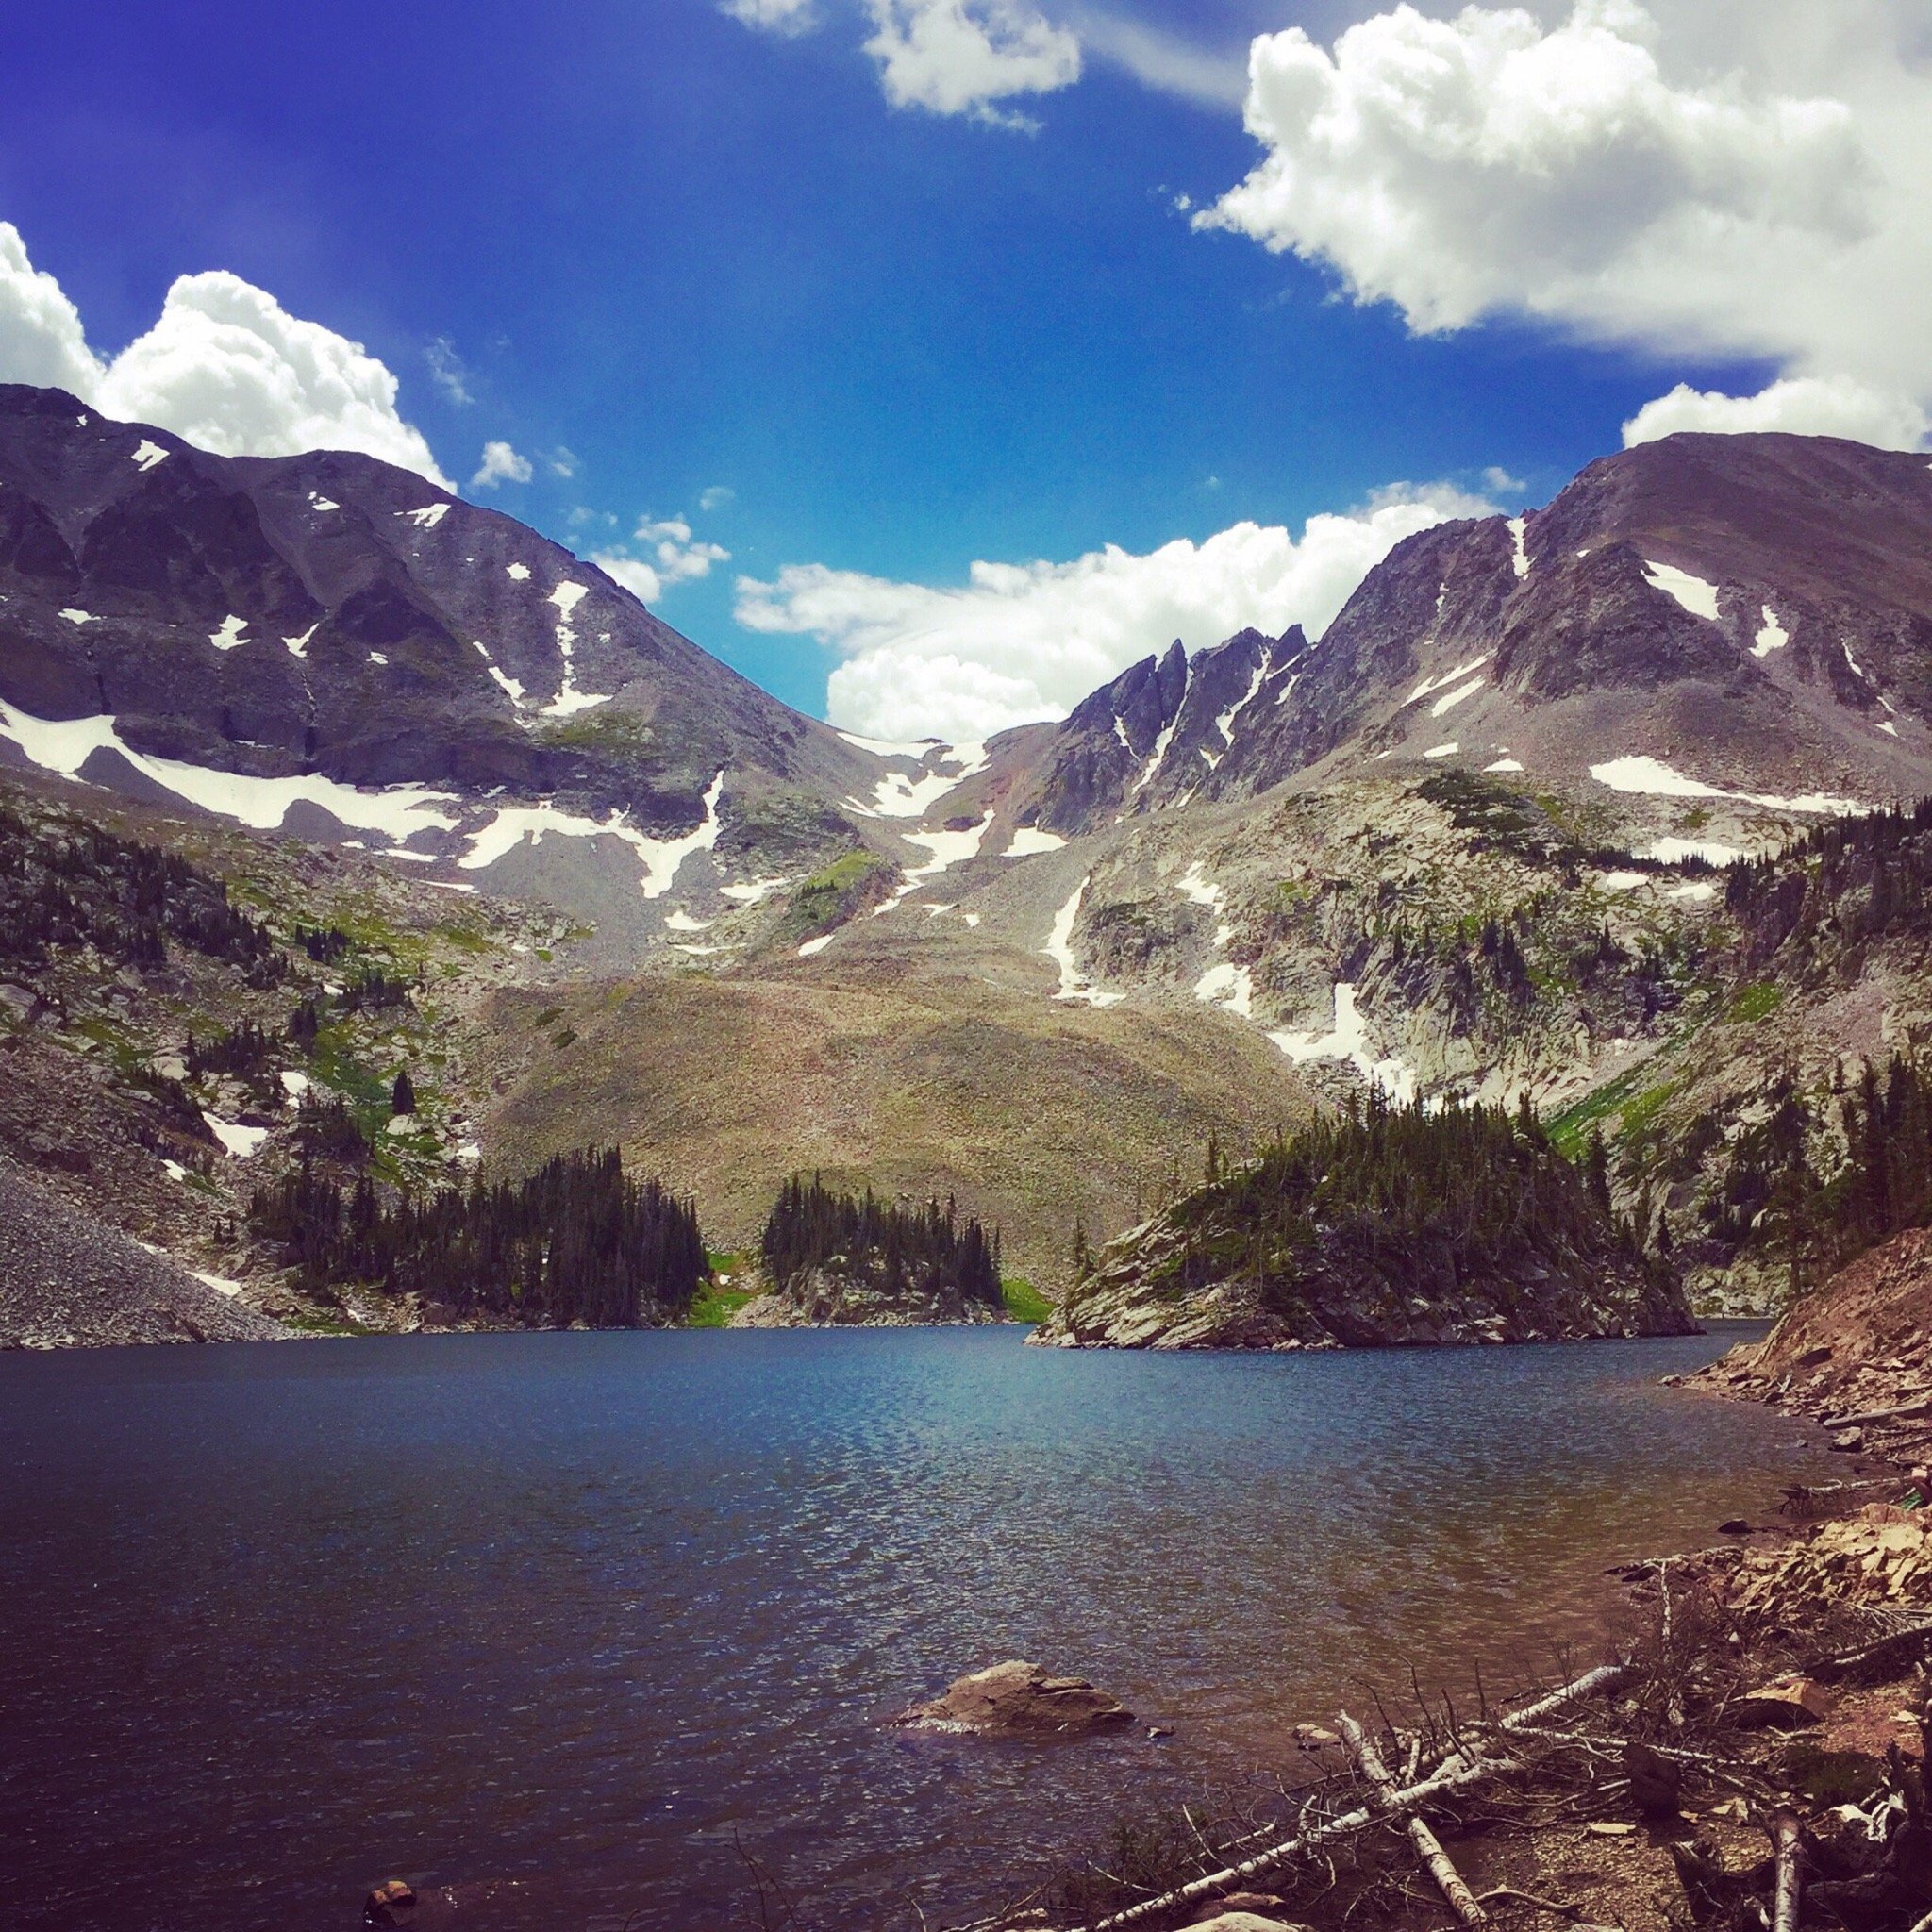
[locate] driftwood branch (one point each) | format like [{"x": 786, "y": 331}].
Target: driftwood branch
[
  {"x": 1428, "y": 1847},
  {"x": 1784, "y": 1838},
  {"x": 1922, "y": 1405},
  {"x": 1456, "y": 1773}
]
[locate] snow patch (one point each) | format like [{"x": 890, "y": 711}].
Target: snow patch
[
  {"x": 1060, "y": 949},
  {"x": 295, "y": 1083},
  {"x": 1030, "y": 839},
  {"x": 240, "y": 1141},
  {"x": 1224, "y": 722},
  {"x": 427, "y": 517},
  {"x": 379, "y": 658},
  {"x": 1771, "y": 635},
  {"x": 1675, "y": 851},
  {"x": 1696, "y": 890},
  {"x": 146, "y": 455},
  {"x": 298, "y": 647},
  {"x": 1519, "y": 534},
  {"x": 754, "y": 891},
  {"x": 66, "y": 745},
  {"x": 78, "y": 616},
  {"x": 681, "y": 920},
  {"x": 1447, "y": 678},
  {"x": 518, "y": 572},
  {"x": 569, "y": 699},
  {"x": 948, "y": 849},
  {"x": 1698, "y": 597},
  {"x": 220, "y": 1283},
  {"x": 1505, "y": 765},
  {"x": 322, "y": 503},
  {"x": 1456, "y": 697},
  {"x": 891, "y": 748},
  {"x": 1120, "y": 731},
  {"x": 817, "y": 945},
  {"x": 1348, "y": 1040},
  {"x": 229, "y": 636},
  {"x": 511, "y": 825},
  {"x": 1621, "y": 882},
  {"x": 1651, "y": 778},
  {"x": 1227, "y": 986},
  {"x": 1442, "y": 751}
]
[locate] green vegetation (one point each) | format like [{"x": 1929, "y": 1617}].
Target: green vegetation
[
  {"x": 1401, "y": 1196},
  {"x": 1025, "y": 1302},
  {"x": 1754, "y": 1003},
  {"x": 714, "y": 1306},
  {"x": 577, "y": 1241},
  {"x": 900, "y": 1249},
  {"x": 833, "y": 894}
]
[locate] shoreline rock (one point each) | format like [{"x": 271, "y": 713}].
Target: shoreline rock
[{"x": 1018, "y": 1699}]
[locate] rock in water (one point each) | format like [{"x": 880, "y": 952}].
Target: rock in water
[{"x": 1019, "y": 1700}]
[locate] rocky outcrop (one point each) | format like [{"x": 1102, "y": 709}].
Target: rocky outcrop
[
  {"x": 1394, "y": 1229},
  {"x": 1019, "y": 1700},
  {"x": 840, "y": 1294},
  {"x": 1856, "y": 1350}
]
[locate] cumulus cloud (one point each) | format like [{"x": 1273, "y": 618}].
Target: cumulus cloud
[
  {"x": 675, "y": 556},
  {"x": 1803, "y": 405},
  {"x": 1740, "y": 178},
  {"x": 41, "y": 341},
  {"x": 962, "y": 57},
  {"x": 226, "y": 366},
  {"x": 1025, "y": 642},
  {"x": 500, "y": 464}
]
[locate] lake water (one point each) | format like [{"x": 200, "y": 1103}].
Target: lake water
[{"x": 278, "y": 1620}]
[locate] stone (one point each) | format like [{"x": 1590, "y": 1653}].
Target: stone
[
  {"x": 1314, "y": 1737},
  {"x": 1019, "y": 1700},
  {"x": 1244, "y": 1922},
  {"x": 1605, "y": 1828},
  {"x": 391, "y": 1904},
  {"x": 1264, "y": 1904},
  {"x": 1734, "y": 1525},
  {"x": 1656, "y": 1781},
  {"x": 1788, "y": 1704}
]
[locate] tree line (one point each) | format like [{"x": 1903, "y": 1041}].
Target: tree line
[
  {"x": 920, "y": 1246},
  {"x": 578, "y": 1241},
  {"x": 64, "y": 883},
  {"x": 1404, "y": 1193}
]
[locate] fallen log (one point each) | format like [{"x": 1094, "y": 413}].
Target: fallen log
[
  {"x": 1438, "y": 1864},
  {"x": 1456, "y": 1773},
  {"x": 1920, "y": 1406},
  {"x": 1784, "y": 1838}
]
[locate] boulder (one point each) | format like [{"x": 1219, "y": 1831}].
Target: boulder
[
  {"x": 1788, "y": 1704},
  {"x": 1248, "y": 1908},
  {"x": 1244, "y": 1922},
  {"x": 1656, "y": 1781},
  {"x": 1019, "y": 1700}
]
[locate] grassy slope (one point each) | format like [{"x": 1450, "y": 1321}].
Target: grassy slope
[{"x": 1032, "y": 1112}]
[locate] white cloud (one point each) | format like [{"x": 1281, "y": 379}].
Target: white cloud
[
  {"x": 676, "y": 557},
  {"x": 773, "y": 16},
  {"x": 1734, "y": 178},
  {"x": 447, "y": 370},
  {"x": 1024, "y": 641},
  {"x": 1803, "y": 405},
  {"x": 1165, "y": 62},
  {"x": 961, "y": 57},
  {"x": 41, "y": 341},
  {"x": 226, "y": 366},
  {"x": 562, "y": 461},
  {"x": 500, "y": 464},
  {"x": 719, "y": 496}
]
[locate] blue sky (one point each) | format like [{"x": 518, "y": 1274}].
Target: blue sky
[{"x": 700, "y": 257}]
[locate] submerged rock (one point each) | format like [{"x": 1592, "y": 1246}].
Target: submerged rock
[{"x": 1019, "y": 1700}]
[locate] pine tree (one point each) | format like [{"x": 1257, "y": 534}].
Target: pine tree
[{"x": 402, "y": 1099}]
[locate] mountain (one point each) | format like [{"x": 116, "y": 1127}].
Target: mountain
[
  {"x": 1748, "y": 612},
  {"x": 1472, "y": 843}
]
